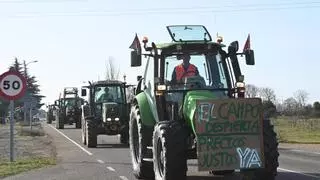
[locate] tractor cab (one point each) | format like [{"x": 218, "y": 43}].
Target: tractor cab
[
  {"x": 110, "y": 92},
  {"x": 191, "y": 64}
]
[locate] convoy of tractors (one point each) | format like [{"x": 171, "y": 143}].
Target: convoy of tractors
[{"x": 178, "y": 113}]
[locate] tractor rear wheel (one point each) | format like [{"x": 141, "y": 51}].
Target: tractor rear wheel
[
  {"x": 170, "y": 151},
  {"x": 138, "y": 135},
  {"x": 91, "y": 134},
  {"x": 271, "y": 156},
  {"x": 124, "y": 136}
]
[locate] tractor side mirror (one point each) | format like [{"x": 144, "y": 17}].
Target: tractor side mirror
[
  {"x": 83, "y": 92},
  {"x": 249, "y": 57},
  {"x": 233, "y": 48},
  {"x": 135, "y": 59}
]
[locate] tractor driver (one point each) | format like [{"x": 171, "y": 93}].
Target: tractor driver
[
  {"x": 106, "y": 96},
  {"x": 185, "y": 69}
]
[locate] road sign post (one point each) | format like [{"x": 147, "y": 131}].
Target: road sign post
[{"x": 12, "y": 87}]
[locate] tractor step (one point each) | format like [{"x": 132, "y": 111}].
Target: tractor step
[{"x": 150, "y": 147}]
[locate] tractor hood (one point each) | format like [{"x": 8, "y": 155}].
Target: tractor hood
[{"x": 190, "y": 100}]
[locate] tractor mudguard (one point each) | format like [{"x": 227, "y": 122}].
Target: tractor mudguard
[
  {"x": 189, "y": 105},
  {"x": 147, "y": 117}
]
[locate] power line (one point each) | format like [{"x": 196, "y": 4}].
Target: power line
[
  {"x": 247, "y": 8},
  {"x": 38, "y": 1}
]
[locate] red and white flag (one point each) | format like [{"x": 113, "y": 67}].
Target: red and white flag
[{"x": 247, "y": 44}]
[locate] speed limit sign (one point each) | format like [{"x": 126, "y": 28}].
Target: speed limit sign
[{"x": 12, "y": 85}]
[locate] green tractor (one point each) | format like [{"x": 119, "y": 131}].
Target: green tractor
[
  {"x": 50, "y": 116},
  {"x": 106, "y": 112},
  {"x": 69, "y": 108},
  {"x": 198, "y": 112}
]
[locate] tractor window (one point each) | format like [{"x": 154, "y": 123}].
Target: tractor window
[
  {"x": 70, "y": 102},
  {"x": 209, "y": 69},
  {"x": 109, "y": 94}
]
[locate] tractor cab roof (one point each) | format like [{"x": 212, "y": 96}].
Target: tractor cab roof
[
  {"x": 192, "y": 38},
  {"x": 70, "y": 90},
  {"x": 108, "y": 83}
]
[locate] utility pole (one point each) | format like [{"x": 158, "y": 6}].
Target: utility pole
[{"x": 25, "y": 74}]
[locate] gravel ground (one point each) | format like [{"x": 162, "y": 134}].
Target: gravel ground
[{"x": 27, "y": 143}]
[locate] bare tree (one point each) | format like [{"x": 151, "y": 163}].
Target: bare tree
[
  {"x": 267, "y": 94},
  {"x": 301, "y": 97},
  {"x": 291, "y": 106},
  {"x": 112, "y": 73},
  {"x": 251, "y": 91}
]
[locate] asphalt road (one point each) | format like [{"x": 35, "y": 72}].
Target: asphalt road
[{"x": 111, "y": 161}]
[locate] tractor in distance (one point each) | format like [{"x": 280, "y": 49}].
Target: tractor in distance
[
  {"x": 197, "y": 113},
  {"x": 106, "y": 112},
  {"x": 69, "y": 108},
  {"x": 50, "y": 113}
]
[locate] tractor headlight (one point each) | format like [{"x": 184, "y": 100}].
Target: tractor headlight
[
  {"x": 161, "y": 87},
  {"x": 240, "y": 85},
  {"x": 116, "y": 119},
  {"x": 108, "y": 119},
  {"x": 240, "y": 89}
]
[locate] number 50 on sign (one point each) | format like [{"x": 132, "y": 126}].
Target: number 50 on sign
[{"x": 12, "y": 85}]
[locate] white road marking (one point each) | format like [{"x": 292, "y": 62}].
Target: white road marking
[
  {"x": 297, "y": 172},
  {"x": 100, "y": 161},
  {"x": 111, "y": 168},
  {"x": 308, "y": 152},
  {"x": 123, "y": 178},
  {"x": 83, "y": 149}
]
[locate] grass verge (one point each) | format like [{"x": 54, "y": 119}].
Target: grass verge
[
  {"x": 297, "y": 131},
  {"x": 22, "y": 165}
]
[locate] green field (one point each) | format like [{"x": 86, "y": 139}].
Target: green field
[
  {"x": 22, "y": 165},
  {"x": 295, "y": 130}
]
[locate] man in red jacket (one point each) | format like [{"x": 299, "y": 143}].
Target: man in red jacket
[{"x": 183, "y": 70}]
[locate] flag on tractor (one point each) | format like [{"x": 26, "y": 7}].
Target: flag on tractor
[
  {"x": 247, "y": 44},
  {"x": 136, "y": 44}
]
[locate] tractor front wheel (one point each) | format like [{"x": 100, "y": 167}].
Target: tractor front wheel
[
  {"x": 170, "y": 151},
  {"x": 138, "y": 135},
  {"x": 78, "y": 122},
  {"x": 83, "y": 132},
  {"x": 91, "y": 135},
  {"x": 124, "y": 137},
  {"x": 60, "y": 122},
  {"x": 49, "y": 120}
]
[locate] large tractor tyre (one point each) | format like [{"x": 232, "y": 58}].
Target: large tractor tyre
[
  {"x": 170, "y": 151},
  {"x": 138, "y": 135},
  {"x": 271, "y": 156},
  {"x": 83, "y": 132},
  {"x": 91, "y": 134}
]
